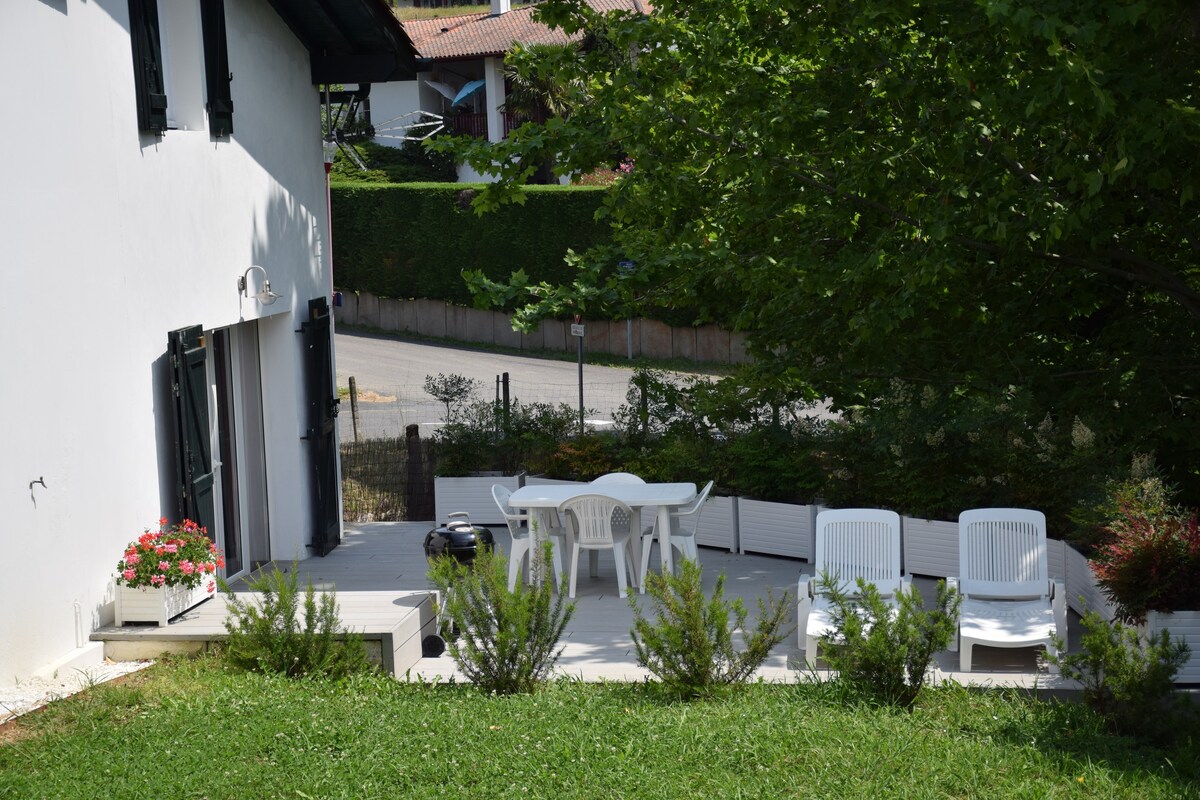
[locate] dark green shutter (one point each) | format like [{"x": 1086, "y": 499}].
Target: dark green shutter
[
  {"x": 193, "y": 446},
  {"x": 148, "y": 81},
  {"x": 217, "y": 76},
  {"x": 321, "y": 435}
]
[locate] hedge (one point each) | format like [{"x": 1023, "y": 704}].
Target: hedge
[{"x": 414, "y": 240}]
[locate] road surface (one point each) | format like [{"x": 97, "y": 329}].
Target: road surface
[{"x": 390, "y": 376}]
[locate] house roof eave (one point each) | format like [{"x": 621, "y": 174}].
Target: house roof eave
[{"x": 350, "y": 41}]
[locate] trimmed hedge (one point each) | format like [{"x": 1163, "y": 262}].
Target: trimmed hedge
[{"x": 414, "y": 240}]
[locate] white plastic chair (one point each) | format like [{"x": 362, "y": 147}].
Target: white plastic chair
[
  {"x": 852, "y": 543},
  {"x": 682, "y": 535},
  {"x": 589, "y": 519},
  {"x": 521, "y": 549},
  {"x": 621, "y": 523},
  {"x": 1008, "y": 597},
  {"x": 618, "y": 477}
]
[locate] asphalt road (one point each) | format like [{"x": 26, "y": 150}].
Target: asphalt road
[{"x": 390, "y": 376}]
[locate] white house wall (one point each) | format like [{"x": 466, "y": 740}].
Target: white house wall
[
  {"x": 397, "y": 99},
  {"x": 111, "y": 239}
]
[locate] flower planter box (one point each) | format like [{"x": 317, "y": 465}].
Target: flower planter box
[
  {"x": 930, "y": 547},
  {"x": 779, "y": 529},
  {"x": 160, "y": 603},
  {"x": 471, "y": 494},
  {"x": 718, "y": 524},
  {"x": 1183, "y": 625}
]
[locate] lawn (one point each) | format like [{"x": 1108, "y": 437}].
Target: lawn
[
  {"x": 191, "y": 729},
  {"x": 405, "y": 13}
]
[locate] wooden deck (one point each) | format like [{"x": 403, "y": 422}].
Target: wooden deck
[{"x": 380, "y": 574}]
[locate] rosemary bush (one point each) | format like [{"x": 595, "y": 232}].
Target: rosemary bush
[
  {"x": 507, "y": 641},
  {"x": 882, "y": 653},
  {"x": 278, "y": 633},
  {"x": 689, "y": 647},
  {"x": 1128, "y": 678}
]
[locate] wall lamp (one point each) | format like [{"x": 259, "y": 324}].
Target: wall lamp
[{"x": 264, "y": 295}]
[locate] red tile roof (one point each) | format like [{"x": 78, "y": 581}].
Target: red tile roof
[{"x": 481, "y": 35}]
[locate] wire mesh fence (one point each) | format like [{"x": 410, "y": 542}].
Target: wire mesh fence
[
  {"x": 387, "y": 412},
  {"x": 390, "y": 408}
]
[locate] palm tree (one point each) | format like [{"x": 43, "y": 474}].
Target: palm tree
[{"x": 536, "y": 92}]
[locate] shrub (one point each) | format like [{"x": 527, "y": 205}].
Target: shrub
[
  {"x": 690, "y": 645},
  {"x": 748, "y": 436},
  {"x": 386, "y": 164},
  {"x": 1140, "y": 490},
  {"x": 1127, "y": 678},
  {"x": 1150, "y": 562},
  {"x": 506, "y": 641},
  {"x": 931, "y": 453},
  {"x": 881, "y": 653},
  {"x": 415, "y": 240},
  {"x": 452, "y": 391},
  {"x": 479, "y": 438},
  {"x": 583, "y": 458},
  {"x": 266, "y": 634}
]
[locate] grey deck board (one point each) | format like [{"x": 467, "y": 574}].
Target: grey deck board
[{"x": 379, "y": 572}]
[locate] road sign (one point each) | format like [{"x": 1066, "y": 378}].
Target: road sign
[{"x": 576, "y": 330}]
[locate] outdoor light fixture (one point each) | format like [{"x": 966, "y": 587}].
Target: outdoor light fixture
[
  {"x": 264, "y": 295},
  {"x": 329, "y": 150}
]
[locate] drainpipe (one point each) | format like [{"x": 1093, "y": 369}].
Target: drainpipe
[{"x": 329, "y": 146}]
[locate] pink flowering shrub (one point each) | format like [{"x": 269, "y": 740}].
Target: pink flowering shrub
[
  {"x": 1150, "y": 562},
  {"x": 173, "y": 555}
]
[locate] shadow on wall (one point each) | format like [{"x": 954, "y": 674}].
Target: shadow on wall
[{"x": 284, "y": 236}]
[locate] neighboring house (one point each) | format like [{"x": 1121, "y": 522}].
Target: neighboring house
[
  {"x": 171, "y": 165},
  {"x": 458, "y": 54}
]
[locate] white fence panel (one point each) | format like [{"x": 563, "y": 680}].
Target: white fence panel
[
  {"x": 1082, "y": 592},
  {"x": 473, "y": 495},
  {"x": 780, "y": 529},
  {"x": 930, "y": 547},
  {"x": 718, "y": 524},
  {"x": 1181, "y": 625}
]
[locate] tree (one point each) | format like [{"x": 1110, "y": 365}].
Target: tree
[
  {"x": 976, "y": 195},
  {"x": 536, "y": 92}
]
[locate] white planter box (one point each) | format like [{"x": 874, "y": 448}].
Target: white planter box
[
  {"x": 779, "y": 529},
  {"x": 473, "y": 495},
  {"x": 538, "y": 480},
  {"x": 1082, "y": 592},
  {"x": 718, "y": 524},
  {"x": 160, "y": 603},
  {"x": 930, "y": 547},
  {"x": 1181, "y": 625}
]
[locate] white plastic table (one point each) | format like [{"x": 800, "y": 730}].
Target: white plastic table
[{"x": 541, "y": 499}]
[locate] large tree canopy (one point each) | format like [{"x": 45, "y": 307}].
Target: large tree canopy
[{"x": 972, "y": 194}]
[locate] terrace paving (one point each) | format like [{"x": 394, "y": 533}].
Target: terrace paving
[{"x": 380, "y": 574}]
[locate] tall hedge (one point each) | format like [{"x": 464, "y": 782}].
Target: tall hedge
[{"x": 414, "y": 240}]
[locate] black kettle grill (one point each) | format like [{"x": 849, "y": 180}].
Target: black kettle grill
[
  {"x": 461, "y": 540},
  {"x": 458, "y": 538}
]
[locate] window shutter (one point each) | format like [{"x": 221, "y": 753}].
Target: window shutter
[
  {"x": 148, "y": 81},
  {"x": 217, "y": 76}
]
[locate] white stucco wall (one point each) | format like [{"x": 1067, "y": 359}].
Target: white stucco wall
[
  {"x": 398, "y": 98},
  {"x": 112, "y": 238}
]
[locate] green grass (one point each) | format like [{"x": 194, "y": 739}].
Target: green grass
[
  {"x": 414, "y": 12},
  {"x": 189, "y": 729}
]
